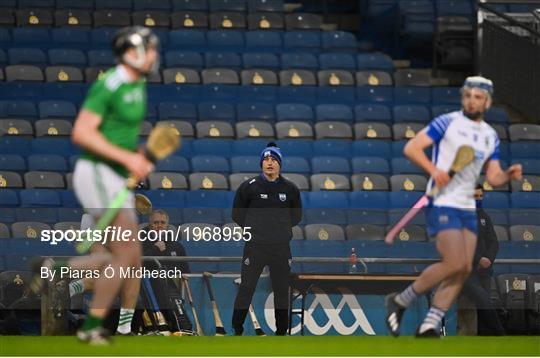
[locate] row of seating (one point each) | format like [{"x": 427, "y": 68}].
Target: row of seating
[
  {"x": 167, "y": 5},
  {"x": 315, "y": 228},
  {"x": 161, "y": 19},
  {"x": 215, "y": 59},
  {"x": 189, "y": 39},
  {"x": 312, "y": 199},
  {"x": 220, "y": 129},
  {"x": 217, "y": 181}
]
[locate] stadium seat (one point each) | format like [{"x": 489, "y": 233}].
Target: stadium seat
[
  {"x": 300, "y": 180},
  {"x": 220, "y": 76},
  {"x": 47, "y": 162},
  {"x": 330, "y": 164},
  {"x": 217, "y": 111},
  {"x": 372, "y": 130},
  {"x": 327, "y": 199},
  {"x": 72, "y": 17},
  {"x": 411, "y": 113},
  {"x": 529, "y": 183},
  {"x": 100, "y": 58},
  {"x": 28, "y": 230},
  {"x": 202, "y": 215},
  {"x": 245, "y": 164},
  {"x": 333, "y": 130},
  {"x": 227, "y": 20},
  {"x": 214, "y": 129},
  {"x": 167, "y": 180},
  {"x": 374, "y": 94},
  {"x": 167, "y": 198},
  {"x": 208, "y": 181},
  {"x": 375, "y": 165},
  {"x": 41, "y": 179},
  {"x": 294, "y": 112},
  {"x": 369, "y": 200},
  {"x": 248, "y": 147},
  {"x": 297, "y": 78},
  {"x": 366, "y": 232},
  {"x": 39, "y": 198},
  {"x": 57, "y": 109},
  {"x": 9, "y": 198},
  {"x": 299, "y": 60},
  {"x": 45, "y": 215},
  {"x": 371, "y": 148},
  {"x": 34, "y": 17},
  {"x": 63, "y": 74},
  {"x": 525, "y": 149},
  {"x": 404, "y": 199},
  {"x": 303, "y": 40},
  {"x": 9, "y": 179},
  {"x": 111, "y": 18},
  {"x": 374, "y": 78},
  {"x": 330, "y": 182},
  {"x": 254, "y": 129},
  {"x": 225, "y": 38},
  {"x": 257, "y": 60},
  {"x": 369, "y": 182},
  {"x": 206, "y": 199},
  {"x": 332, "y": 61},
  {"x": 188, "y": 59},
  {"x": 339, "y": 41},
  {"x": 525, "y": 200},
  {"x": 374, "y": 61},
  {"x": 332, "y": 147},
  {"x": 373, "y": 112},
  {"x": 296, "y": 165},
  {"x": 412, "y": 77},
  {"x": 4, "y": 231},
  {"x": 29, "y": 35},
  {"x": 16, "y": 127},
  {"x": 497, "y": 115},
  {"x": 236, "y": 179},
  {"x": 177, "y": 110},
  {"x": 443, "y": 109},
  {"x": 173, "y": 164},
  {"x": 497, "y": 200},
  {"x": 530, "y": 166},
  {"x": 525, "y": 233},
  {"x": 189, "y": 20},
  {"x": 501, "y": 232},
  {"x": 304, "y": 21},
  {"x": 24, "y": 73},
  {"x": 324, "y": 232},
  {"x": 334, "y": 112},
  {"x": 524, "y": 132},
  {"x": 405, "y": 131},
  {"x": 181, "y": 76},
  {"x": 404, "y": 166},
  {"x": 334, "y": 78},
  {"x": 212, "y": 147},
  {"x": 223, "y": 60},
  {"x": 412, "y": 95},
  {"x": 265, "y": 21},
  {"x": 408, "y": 183},
  {"x": 412, "y": 233},
  {"x": 210, "y": 163},
  {"x": 12, "y": 162}
]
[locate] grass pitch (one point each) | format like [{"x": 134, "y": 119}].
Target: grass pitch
[{"x": 273, "y": 346}]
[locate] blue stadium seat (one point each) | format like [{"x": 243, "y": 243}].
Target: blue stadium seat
[
  {"x": 325, "y": 216},
  {"x": 453, "y": 8},
  {"x": 27, "y": 56},
  {"x": 220, "y": 92},
  {"x": 190, "y": 5},
  {"x": 67, "y": 57},
  {"x": 404, "y": 166},
  {"x": 56, "y": 146},
  {"x": 12, "y": 162},
  {"x": 14, "y": 145},
  {"x": 327, "y": 199},
  {"x": 223, "y": 59},
  {"x": 173, "y": 164},
  {"x": 330, "y": 164},
  {"x": 295, "y": 165},
  {"x": 334, "y": 112},
  {"x": 217, "y": 111},
  {"x": 497, "y": 115},
  {"x": 167, "y": 198},
  {"x": 100, "y": 58},
  {"x": 102, "y": 36},
  {"x": 3, "y": 55},
  {"x": 446, "y": 95},
  {"x": 57, "y": 109},
  {"x": 72, "y": 37},
  {"x": 374, "y": 61},
  {"x": 70, "y": 214},
  {"x": 411, "y": 113},
  {"x": 296, "y": 93},
  {"x": 443, "y": 109},
  {"x": 523, "y": 216},
  {"x": 412, "y": 95},
  {"x": 530, "y": 166},
  {"x": 264, "y": 41},
  {"x": 39, "y": 198},
  {"x": 332, "y": 147},
  {"x": 74, "y": 4},
  {"x": 255, "y": 111},
  {"x": 336, "y": 94},
  {"x": 116, "y": 5},
  {"x": 225, "y": 38},
  {"x": 525, "y": 149},
  {"x": 296, "y": 147},
  {"x": 42, "y": 215},
  {"x": 33, "y": 35},
  {"x": 300, "y": 60},
  {"x": 28, "y": 4},
  {"x": 374, "y": 94},
  {"x": 375, "y": 165},
  {"x": 496, "y": 200},
  {"x": 258, "y": 93},
  {"x": 18, "y": 109},
  {"x": 227, "y": 5},
  {"x": 248, "y": 147},
  {"x": 265, "y": 5},
  {"x": 394, "y": 215},
  {"x": 302, "y": 40},
  {"x": 371, "y": 148},
  {"x": 9, "y": 198},
  {"x": 525, "y": 200},
  {"x": 202, "y": 215},
  {"x": 404, "y": 199},
  {"x": 342, "y": 61},
  {"x": 246, "y": 164},
  {"x": 219, "y": 147},
  {"x": 260, "y": 60},
  {"x": 151, "y": 5},
  {"x": 206, "y": 199},
  {"x": 210, "y": 163},
  {"x": 189, "y": 59},
  {"x": 69, "y": 200},
  {"x": 372, "y": 112},
  {"x": 177, "y": 111},
  {"x": 47, "y": 162},
  {"x": 339, "y": 41},
  {"x": 185, "y": 39},
  {"x": 369, "y": 200},
  {"x": 294, "y": 112}
]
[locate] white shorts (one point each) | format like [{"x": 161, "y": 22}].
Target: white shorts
[{"x": 96, "y": 185}]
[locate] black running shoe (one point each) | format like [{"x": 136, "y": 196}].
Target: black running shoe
[
  {"x": 394, "y": 313},
  {"x": 98, "y": 336},
  {"x": 429, "y": 333}
]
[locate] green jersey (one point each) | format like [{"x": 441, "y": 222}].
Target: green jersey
[{"x": 122, "y": 106}]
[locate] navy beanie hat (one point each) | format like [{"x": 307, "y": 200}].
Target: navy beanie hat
[{"x": 271, "y": 150}]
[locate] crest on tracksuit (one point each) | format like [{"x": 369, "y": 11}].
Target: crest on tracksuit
[{"x": 282, "y": 196}]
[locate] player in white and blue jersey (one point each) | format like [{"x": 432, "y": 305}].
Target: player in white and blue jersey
[{"x": 451, "y": 214}]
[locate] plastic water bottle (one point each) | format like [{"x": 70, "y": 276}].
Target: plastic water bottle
[{"x": 352, "y": 261}]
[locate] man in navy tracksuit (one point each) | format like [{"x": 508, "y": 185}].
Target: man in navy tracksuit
[{"x": 268, "y": 206}]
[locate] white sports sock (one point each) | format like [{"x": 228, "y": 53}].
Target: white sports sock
[
  {"x": 76, "y": 287},
  {"x": 433, "y": 319},
  {"x": 124, "y": 322},
  {"x": 406, "y": 297}
]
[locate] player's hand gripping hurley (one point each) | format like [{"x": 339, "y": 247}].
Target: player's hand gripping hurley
[
  {"x": 464, "y": 157},
  {"x": 163, "y": 141}
]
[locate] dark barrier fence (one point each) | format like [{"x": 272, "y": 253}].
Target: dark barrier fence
[{"x": 510, "y": 56}]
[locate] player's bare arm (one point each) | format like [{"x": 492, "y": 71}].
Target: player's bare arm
[
  {"x": 86, "y": 135},
  {"x": 497, "y": 177},
  {"x": 414, "y": 150}
]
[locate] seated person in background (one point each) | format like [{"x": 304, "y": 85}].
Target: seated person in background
[{"x": 166, "y": 246}]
